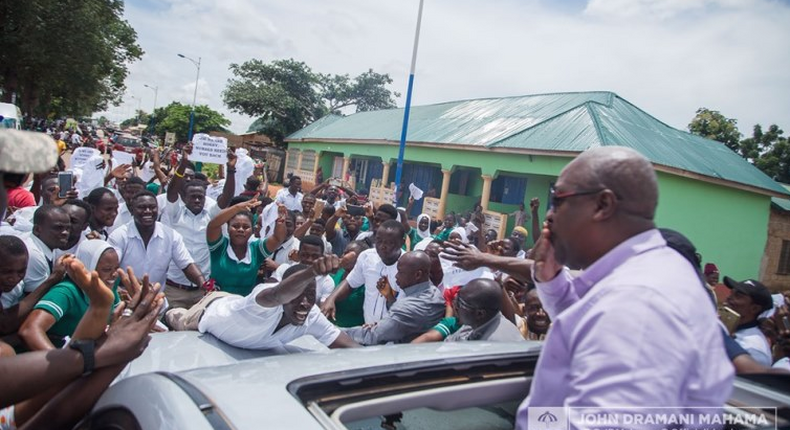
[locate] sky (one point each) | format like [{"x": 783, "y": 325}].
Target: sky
[{"x": 668, "y": 57}]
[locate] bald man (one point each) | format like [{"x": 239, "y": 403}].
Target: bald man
[
  {"x": 419, "y": 306},
  {"x": 630, "y": 330},
  {"x": 478, "y": 308}
]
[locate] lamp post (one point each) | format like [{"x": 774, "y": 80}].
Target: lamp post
[
  {"x": 194, "y": 96},
  {"x": 156, "y": 92},
  {"x": 137, "y": 112}
]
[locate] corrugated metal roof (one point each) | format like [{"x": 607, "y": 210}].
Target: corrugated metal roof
[
  {"x": 783, "y": 204},
  {"x": 561, "y": 122}
]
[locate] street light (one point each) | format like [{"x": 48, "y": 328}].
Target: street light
[
  {"x": 137, "y": 113},
  {"x": 194, "y": 96},
  {"x": 156, "y": 92}
]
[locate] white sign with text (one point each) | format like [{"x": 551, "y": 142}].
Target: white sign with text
[
  {"x": 81, "y": 155},
  {"x": 208, "y": 149}
]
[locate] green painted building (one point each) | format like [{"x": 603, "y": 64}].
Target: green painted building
[{"x": 504, "y": 151}]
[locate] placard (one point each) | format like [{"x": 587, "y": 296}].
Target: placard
[
  {"x": 120, "y": 157},
  {"x": 495, "y": 221},
  {"x": 208, "y": 149},
  {"x": 170, "y": 138},
  {"x": 380, "y": 196},
  {"x": 430, "y": 207},
  {"x": 81, "y": 155}
]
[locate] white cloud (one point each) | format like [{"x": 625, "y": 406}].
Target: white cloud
[{"x": 668, "y": 57}]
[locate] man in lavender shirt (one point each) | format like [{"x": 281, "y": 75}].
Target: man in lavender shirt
[{"x": 635, "y": 328}]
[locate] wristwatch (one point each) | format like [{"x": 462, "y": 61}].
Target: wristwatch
[{"x": 87, "y": 349}]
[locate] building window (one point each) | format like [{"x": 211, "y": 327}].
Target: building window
[
  {"x": 508, "y": 189},
  {"x": 459, "y": 181},
  {"x": 784, "y": 259},
  {"x": 308, "y": 160}
]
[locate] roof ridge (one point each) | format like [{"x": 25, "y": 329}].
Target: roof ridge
[
  {"x": 546, "y": 121},
  {"x": 609, "y": 93}
]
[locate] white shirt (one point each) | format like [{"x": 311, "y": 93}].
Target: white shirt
[
  {"x": 24, "y": 218},
  {"x": 40, "y": 257},
  {"x": 124, "y": 217},
  {"x": 324, "y": 285},
  {"x": 293, "y": 203},
  {"x": 243, "y": 323},
  {"x": 165, "y": 245},
  {"x": 13, "y": 297},
  {"x": 754, "y": 342},
  {"x": 367, "y": 272},
  {"x": 192, "y": 229},
  {"x": 280, "y": 255}
]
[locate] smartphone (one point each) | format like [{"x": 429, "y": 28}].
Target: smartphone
[
  {"x": 65, "y": 183},
  {"x": 730, "y": 318},
  {"x": 318, "y": 209},
  {"x": 355, "y": 210}
]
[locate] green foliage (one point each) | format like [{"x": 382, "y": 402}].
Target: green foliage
[
  {"x": 140, "y": 117},
  {"x": 65, "y": 57},
  {"x": 286, "y": 95},
  {"x": 713, "y": 125},
  {"x": 768, "y": 150},
  {"x": 175, "y": 118}
]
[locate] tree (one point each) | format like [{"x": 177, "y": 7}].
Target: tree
[
  {"x": 65, "y": 57},
  {"x": 713, "y": 125},
  {"x": 768, "y": 151},
  {"x": 140, "y": 117},
  {"x": 286, "y": 95},
  {"x": 175, "y": 118}
]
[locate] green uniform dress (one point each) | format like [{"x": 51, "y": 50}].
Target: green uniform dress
[
  {"x": 348, "y": 312},
  {"x": 234, "y": 276},
  {"x": 68, "y": 303}
]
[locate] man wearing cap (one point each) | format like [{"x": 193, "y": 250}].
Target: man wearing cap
[
  {"x": 519, "y": 235},
  {"x": 750, "y": 298}
]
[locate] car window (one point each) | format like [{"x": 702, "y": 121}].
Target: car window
[{"x": 130, "y": 142}]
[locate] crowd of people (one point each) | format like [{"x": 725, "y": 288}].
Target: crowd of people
[{"x": 87, "y": 274}]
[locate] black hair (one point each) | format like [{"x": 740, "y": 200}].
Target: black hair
[
  {"x": 359, "y": 243},
  {"x": 320, "y": 221},
  {"x": 43, "y": 213},
  {"x": 314, "y": 240},
  {"x": 195, "y": 183},
  {"x": 85, "y": 206},
  {"x": 239, "y": 199},
  {"x": 293, "y": 178},
  {"x": 247, "y": 214},
  {"x": 96, "y": 195},
  {"x": 516, "y": 246},
  {"x": 12, "y": 246},
  {"x": 308, "y": 195},
  {"x": 389, "y": 210},
  {"x": 200, "y": 176},
  {"x": 135, "y": 180},
  {"x": 14, "y": 178},
  {"x": 143, "y": 193},
  {"x": 329, "y": 210},
  {"x": 391, "y": 224},
  {"x": 293, "y": 269},
  {"x": 252, "y": 183}
]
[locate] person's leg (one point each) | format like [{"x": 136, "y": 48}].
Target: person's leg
[
  {"x": 181, "y": 319},
  {"x": 178, "y": 298}
]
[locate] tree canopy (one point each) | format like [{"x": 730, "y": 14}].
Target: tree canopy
[
  {"x": 65, "y": 57},
  {"x": 175, "y": 118},
  {"x": 768, "y": 150},
  {"x": 286, "y": 95}
]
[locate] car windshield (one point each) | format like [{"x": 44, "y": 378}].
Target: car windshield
[
  {"x": 7, "y": 122},
  {"x": 130, "y": 142}
]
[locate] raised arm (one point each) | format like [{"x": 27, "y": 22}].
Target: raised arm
[
  {"x": 331, "y": 224},
  {"x": 214, "y": 228},
  {"x": 177, "y": 182},
  {"x": 294, "y": 286},
  {"x": 160, "y": 174},
  {"x": 469, "y": 258},
  {"x": 316, "y": 191},
  {"x": 229, "y": 189},
  {"x": 534, "y": 204}
]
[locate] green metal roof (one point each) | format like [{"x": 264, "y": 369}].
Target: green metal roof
[
  {"x": 782, "y": 204},
  {"x": 561, "y": 122}
]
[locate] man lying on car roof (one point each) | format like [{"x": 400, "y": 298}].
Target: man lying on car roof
[{"x": 271, "y": 316}]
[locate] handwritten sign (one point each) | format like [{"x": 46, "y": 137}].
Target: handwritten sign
[
  {"x": 207, "y": 149},
  {"x": 430, "y": 206},
  {"x": 495, "y": 221},
  {"x": 120, "y": 157},
  {"x": 81, "y": 155}
]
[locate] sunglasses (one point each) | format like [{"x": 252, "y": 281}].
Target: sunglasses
[{"x": 556, "y": 198}]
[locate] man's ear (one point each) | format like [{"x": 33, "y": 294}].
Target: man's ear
[{"x": 606, "y": 205}]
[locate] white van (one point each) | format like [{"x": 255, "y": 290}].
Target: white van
[{"x": 10, "y": 116}]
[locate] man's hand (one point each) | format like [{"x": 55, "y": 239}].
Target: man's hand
[
  {"x": 270, "y": 265},
  {"x": 249, "y": 205},
  {"x": 369, "y": 211},
  {"x": 232, "y": 159},
  {"x": 60, "y": 266},
  {"x": 128, "y": 337},
  {"x": 120, "y": 172},
  {"x": 294, "y": 255},
  {"x": 496, "y": 247},
  {"x": 185, "y": 152},
  {"x": 326, "y": 265},
  {"x": 60, "y": 201},
  {"x": 546, "y": 266},
  {"x": 130, "y": 281},
  {"x": 328, "y": 308},
  {"x": 534, "y": 204},
  {"x": 465, "y": 256}
]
